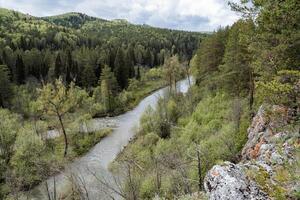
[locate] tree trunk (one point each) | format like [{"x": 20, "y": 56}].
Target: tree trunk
[
  {"x": 199, "y": 171},
  {"x": 251, "y": 93},
  {"x": 188, "y": 73},
  {"x": 64, "y": 133}
]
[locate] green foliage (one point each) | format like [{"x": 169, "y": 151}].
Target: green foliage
[
  {"x": 76, "y": 47},
  {"x": 282, "y": 90},
  {"x": 209, "y": 55},
  {"x": 165, "y": 148},
  {"x": 173, "y": 71},
  {"x": 109, "y": 88},
  {"x": 236, "y": 70},
  {"x": 82, "y": 142},
  {"x": 9, "y": 125},
  {"x": 28, "y": 163},
  {"x": 57, "y": 100}
]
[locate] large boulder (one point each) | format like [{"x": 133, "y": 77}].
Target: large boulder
[{"x": 228, "y": 181}]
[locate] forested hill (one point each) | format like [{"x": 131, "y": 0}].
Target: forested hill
[
  {"x": 76, "y": 47},
  {"x": 72, "y": 19}
]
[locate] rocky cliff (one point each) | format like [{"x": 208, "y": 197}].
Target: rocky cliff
[{"x": 269, "y": 168}]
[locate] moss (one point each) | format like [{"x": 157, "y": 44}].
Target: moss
[
  {"x": 278, "y": 193},
  {"x": 275, "y": 189},
  {"x": 282, "y": 175}
]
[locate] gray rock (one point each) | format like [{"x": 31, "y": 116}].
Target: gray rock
[
  {"x": 276, "y": 158},
  {"x": 229, "y": 182}
]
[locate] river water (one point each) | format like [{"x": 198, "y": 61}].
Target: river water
[{"x": 87, "y": 170}]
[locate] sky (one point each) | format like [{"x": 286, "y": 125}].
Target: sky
[{"x": 191, "y": 15}]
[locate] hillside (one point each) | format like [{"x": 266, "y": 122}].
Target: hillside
[
  {"x": 86, "y": 41},
  {"x": 235, "y": 134},
  {"x": 72, "y": 19}
]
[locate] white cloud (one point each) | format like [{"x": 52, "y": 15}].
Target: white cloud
[{"x": 198, "y": 15}]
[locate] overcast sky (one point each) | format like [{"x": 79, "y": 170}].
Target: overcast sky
[{"x": 193, "y": 15}]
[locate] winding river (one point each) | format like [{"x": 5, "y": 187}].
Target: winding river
[{"x": 86, "y": 169}]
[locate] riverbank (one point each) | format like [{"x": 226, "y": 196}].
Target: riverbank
[
  {"x": 133, "y": 96},
  {"x": 97, "y": 160},
  {"x": 79, "y": 145}
]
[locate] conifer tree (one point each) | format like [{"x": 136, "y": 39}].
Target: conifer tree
[
  {"x": 120, "y": 70},
  {"x": 5, "y": 86},
  {"x": 88, "y": 78},
  {"x": 58, "y": 68},
  {"x": 236, "y": 71},
  {"x": 20, "y": 70}
]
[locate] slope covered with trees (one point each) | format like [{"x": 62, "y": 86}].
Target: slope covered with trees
[
  {"x": 58, "y": 72},
  {"x": 236, "y": 69},
  {"x": 72, "y": 44}
]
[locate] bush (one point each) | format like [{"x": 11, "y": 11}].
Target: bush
[
  {"x": 28, "y": 162},
  {"x": 82, "y": 142}
]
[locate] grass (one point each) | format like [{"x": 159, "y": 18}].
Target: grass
[
  {"x": 144, "y": 90},
  {"x": 79, "y": 144}
]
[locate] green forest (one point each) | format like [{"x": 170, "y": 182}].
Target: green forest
[
  {"x": 236, "y": 69},
  {"x": 59, "y": 72}
]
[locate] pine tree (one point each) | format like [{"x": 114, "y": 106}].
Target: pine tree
[
  {"x": 120, "y": 70},
  {"x": 20, "y": 70},
  {"x": 236, "y": 70},
  {"x": 5, "y": 86},
  {"x": 58, "y": 68},
  {"x": 69, "y": 67},
  {"x": 88, "y": 77},
  {"x": 138, "y": 74},
  {"x": 129, "y": 66},
  {"x": 210, "y": 55}
]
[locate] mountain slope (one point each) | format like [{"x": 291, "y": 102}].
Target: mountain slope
[
  {"x": 82, "y": 41},
  {"x": 72, "y": 19}
]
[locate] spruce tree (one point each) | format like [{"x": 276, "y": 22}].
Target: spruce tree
[
  {"x": 120, "y": 70},
  {"x": 69, "y": 67},
  {"x": 88, "y": 78},
  {"x": 20, "y": 70},
  {"x": 58, "y": 68},
  {"x": 5, "y": 86}
]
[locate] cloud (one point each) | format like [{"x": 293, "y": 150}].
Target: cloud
[{"x": 194, "y": 15}]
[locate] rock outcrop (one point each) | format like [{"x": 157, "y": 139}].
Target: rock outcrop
[
  {"x": 269, "y": 161},
  {"x": 229, "y": 182}
]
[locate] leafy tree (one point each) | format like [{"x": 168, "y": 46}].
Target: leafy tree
[
  {"x": 57, "y": 100},
  {"x": 9, "y": 125},
  {"x": 109, "y": 88},
  {"x": 172, "y": 71},
  {"x": 28, "y": 165}
]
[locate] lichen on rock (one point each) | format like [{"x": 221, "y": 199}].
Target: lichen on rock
[
  {"x": 228, "y": 181},
  {"x": 269, "y": 164}
]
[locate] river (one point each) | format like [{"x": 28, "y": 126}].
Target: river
[{"x": 96, "y": 162}]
